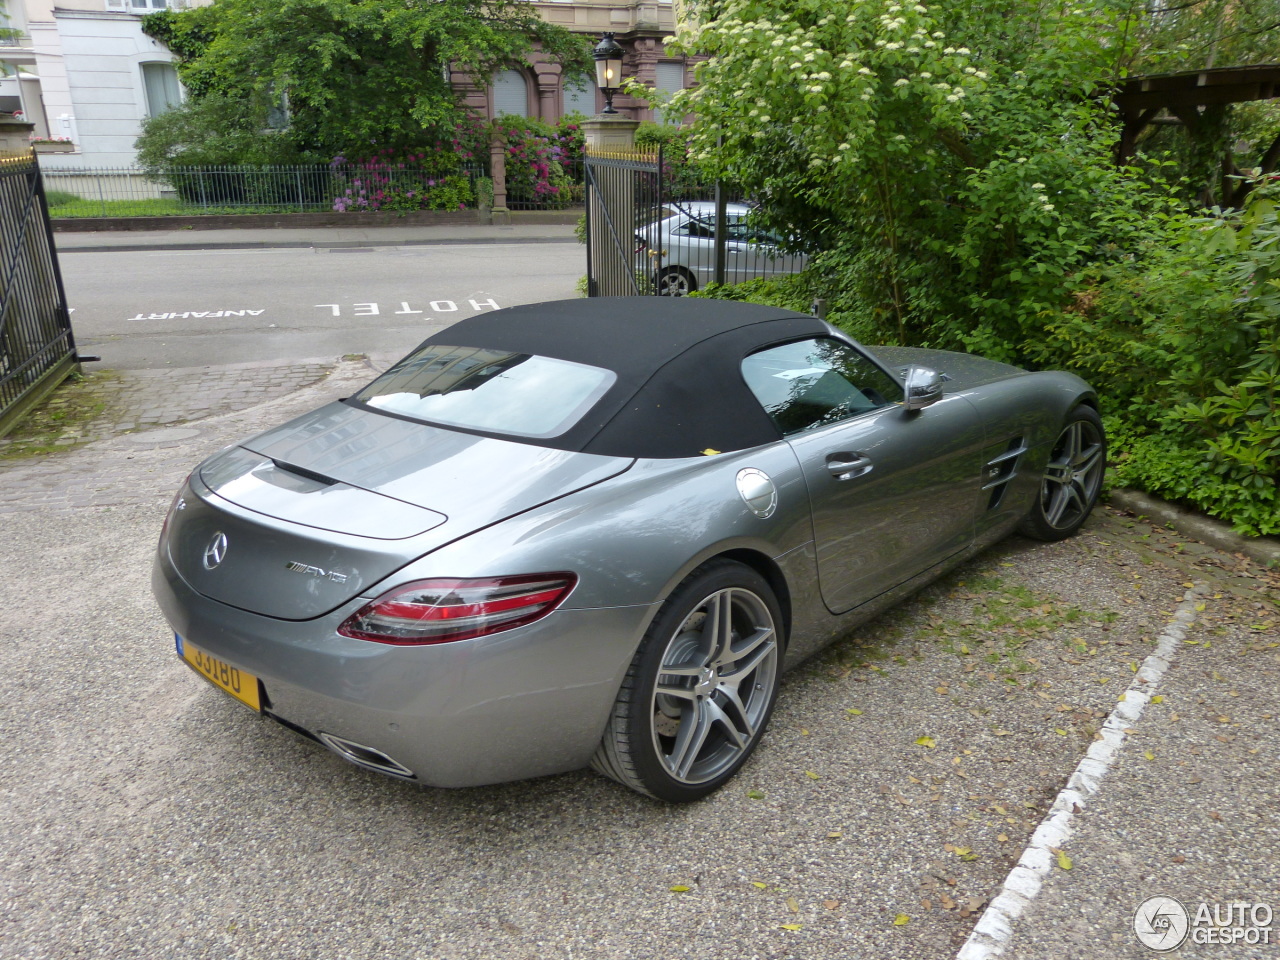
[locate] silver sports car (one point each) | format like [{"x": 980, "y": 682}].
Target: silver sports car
[{"x": 595, "y": 532}]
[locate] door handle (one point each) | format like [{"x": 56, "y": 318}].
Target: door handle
[{"x": 846, "y": 466}]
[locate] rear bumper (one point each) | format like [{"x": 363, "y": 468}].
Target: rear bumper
[{"x": 519, "y": 704}]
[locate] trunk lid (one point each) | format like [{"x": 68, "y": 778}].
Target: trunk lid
[{"x": 361, "y": 494}]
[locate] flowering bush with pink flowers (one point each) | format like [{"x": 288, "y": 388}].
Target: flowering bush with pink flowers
[
  {"x": 418, "y": 180},
  {"x": 543, "y": 164},
  {"x": 536, "y": 157}
]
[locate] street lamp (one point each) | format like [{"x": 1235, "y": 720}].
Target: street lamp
[{"x": 608, "y": 57}]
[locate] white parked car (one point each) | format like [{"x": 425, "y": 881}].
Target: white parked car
[{"x": 677, "y": 253}]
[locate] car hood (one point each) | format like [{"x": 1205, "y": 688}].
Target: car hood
[{"x": 361, "y": 494}]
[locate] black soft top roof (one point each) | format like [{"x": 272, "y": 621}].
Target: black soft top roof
[{"x": 679, "y": 388}]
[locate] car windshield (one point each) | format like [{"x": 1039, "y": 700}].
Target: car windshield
[{"x": 493, "y": 391}]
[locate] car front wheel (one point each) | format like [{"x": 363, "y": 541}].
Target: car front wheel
[
  {"x": 700, "y": 689},
  {"x": 1072, "y": 478}
]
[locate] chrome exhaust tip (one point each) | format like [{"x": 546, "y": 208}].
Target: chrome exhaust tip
[{"x": 366, "y": 757}]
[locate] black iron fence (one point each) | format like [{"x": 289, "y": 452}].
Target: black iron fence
[
  {"x": 303, "y": 188},
  {"x": 560, "y": 185},
  {"x": 624, "y": 198},
  {"x": 659, "y": 228},
  {"x": 37, "y": 349}
]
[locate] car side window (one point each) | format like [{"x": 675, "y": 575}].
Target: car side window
[
  {"x": 812, "y": 383},
  {"x": 743, "y": 233},
  {"x": 697, "y": 228}
]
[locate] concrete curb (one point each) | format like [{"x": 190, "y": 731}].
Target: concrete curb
[
  {"x": 278, "y": 221},
  {"x": 1265, "y": 550}
]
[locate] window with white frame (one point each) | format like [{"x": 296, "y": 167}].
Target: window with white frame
[
  {"x": 669, "y": 78},
  {"x": 510, "y": 94},
  {"x": 160, "y": 83},
  {"x": 139, "y": 6}
]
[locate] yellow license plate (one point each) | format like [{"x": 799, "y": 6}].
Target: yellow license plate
[{"x": 243, "y": 686}]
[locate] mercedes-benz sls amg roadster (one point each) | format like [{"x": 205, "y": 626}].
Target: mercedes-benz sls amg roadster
[{"x": 595, "y": 532}]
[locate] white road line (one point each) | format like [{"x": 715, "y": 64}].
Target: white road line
[{"x": 994, "y": 929}]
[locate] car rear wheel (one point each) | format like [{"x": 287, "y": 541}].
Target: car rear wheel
[
  {"x": 1072, "y": 478},
  {"x": 676, "y": 282},
  {"x": 700, "y": 689}
]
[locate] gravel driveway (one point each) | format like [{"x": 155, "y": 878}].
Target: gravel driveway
[{"x": 147, "y": 815}]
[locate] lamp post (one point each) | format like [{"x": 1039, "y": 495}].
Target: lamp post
[
  {"x": 611, "y": 207},
  {"x": 608, "y": 57}
]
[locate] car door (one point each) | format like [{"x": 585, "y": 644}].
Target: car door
[
  {"x": 751, "y": 252},
  {"x": 892, "y": 492}
]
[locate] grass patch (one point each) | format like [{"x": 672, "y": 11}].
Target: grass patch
[
  {"x": 1003, "y": 619},
  {"x": 69, "y": 206},
  {"x": 61, "y": 422}
]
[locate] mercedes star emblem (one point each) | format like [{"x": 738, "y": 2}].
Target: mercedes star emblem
[{"x": 215, "y": 551}]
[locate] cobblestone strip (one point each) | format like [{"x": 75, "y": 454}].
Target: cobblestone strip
[{"x": 140, "y": 399}]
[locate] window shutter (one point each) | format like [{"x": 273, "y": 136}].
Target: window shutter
[
  {"x": 510, "y": 94},
  {"x": 579, "y": 97},
  {"x": 670, "y": 78}
]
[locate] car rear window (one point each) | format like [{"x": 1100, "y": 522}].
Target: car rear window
[{"x": 493, "y": 391}]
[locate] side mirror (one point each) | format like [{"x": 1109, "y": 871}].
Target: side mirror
[{"x": 923, "y": 387}]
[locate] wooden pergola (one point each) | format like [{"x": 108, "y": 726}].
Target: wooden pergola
[{"x": 1196, "y": 99}]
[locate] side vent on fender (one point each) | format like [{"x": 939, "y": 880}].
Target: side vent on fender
[{"x": 1000, "y": 470}]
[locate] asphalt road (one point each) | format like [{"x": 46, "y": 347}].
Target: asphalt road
[
  {"x": 145, "y": 814},
  {"x": 157, "y": 308}
]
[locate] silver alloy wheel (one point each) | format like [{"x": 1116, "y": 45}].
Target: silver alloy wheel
[
  {"x": 674, "y": 282},
  {"x": 1074, "y": 475},
  {"x": 714, "y": 686}
]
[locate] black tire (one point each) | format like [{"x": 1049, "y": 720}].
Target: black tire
[
  {"x": 676, "y": 282},
  {"x": 683, "y": 738},
  {"x": 1072, "y": 478}
]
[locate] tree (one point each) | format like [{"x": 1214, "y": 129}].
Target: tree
[
  {"x": 951, "y": 165},
  {"x": 352, "y": 75},
  {"x": 954, "y": 167}
]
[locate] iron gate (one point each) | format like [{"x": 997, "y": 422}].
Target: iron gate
[
  {"x": 624, "y": 196},
  {"x": 37, "y": 349}
]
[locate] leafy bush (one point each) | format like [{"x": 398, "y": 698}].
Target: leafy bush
[
  {"x": 215, "y": 130},
  {"x": 951, "y": 169}
]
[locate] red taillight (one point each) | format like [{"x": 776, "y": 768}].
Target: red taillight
[{"x": 440, "y": 611}]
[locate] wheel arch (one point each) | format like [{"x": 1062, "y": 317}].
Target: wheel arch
[
  {"x": 1090, "y": 400},
  {"x": 772, "y": 573}
]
